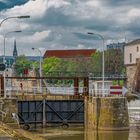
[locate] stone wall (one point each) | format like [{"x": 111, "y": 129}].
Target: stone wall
[
  {"x": 9, "y": 106},
  {"x": 131, "y": 70},
  {"x": 106, "y": 113}
]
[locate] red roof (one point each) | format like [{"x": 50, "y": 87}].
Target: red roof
[{"x": 69, "y": 53}]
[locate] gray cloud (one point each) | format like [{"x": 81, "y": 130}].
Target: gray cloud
[
  {"x": 114, "y": 19},
  {"x": 121, "y": 2}
]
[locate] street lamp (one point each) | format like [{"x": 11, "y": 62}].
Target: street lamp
[
  {"x": 40, "y": 67},
  {"x": 20, "y": 17},
  {"x": 4, "y": 60},
  {"x": 17, "y": 31},
  {"x": 103, "y": 57}
]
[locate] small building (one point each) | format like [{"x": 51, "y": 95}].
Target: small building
[
  {"x": 9, "y": 61},
  {"x": 116, "y": 46},
  {"x": 96, "y": 87},
  {"x": 131, "y": 61}
]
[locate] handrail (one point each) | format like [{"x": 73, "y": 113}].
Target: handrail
[{"x": 2, "y": 114}]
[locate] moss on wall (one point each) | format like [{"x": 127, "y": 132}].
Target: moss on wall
[{"x": 107, "y": 113}]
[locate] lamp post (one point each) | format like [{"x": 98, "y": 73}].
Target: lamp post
[
  {"x": 20, "y": 17},
  {"x": 40, "y": 67},
  {"x": 4, "y": 60},
  {"x": 103, "y": 57}
]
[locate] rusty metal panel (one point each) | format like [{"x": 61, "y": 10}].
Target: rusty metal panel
[
  {"x": 65, "y": 111},
  {"x": 30, "y": 112},
  {"x": 56, "y": 111}
]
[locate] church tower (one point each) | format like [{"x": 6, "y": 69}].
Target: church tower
[{"x": 15, "y": 53}]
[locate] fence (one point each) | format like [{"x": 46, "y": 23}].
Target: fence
[
  {"x": 46, "y": 90},
  {"x": 56, "y": 91},
  {"x": 52, "y": 85},
  {"x": 45, "y": 85}
]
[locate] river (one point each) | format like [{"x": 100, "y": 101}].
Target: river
[{"x": 77, "y": 133}]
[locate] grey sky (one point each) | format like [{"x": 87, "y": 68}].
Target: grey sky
[{"x": 63, "y": 24}]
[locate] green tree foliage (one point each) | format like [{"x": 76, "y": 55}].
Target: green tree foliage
[
  {"x": 114, "y": 63},
  {"x": 35, "y": 65},
  {"x": 68, "y": 67},
  {"x": 21, "y": 64},
  {"x": 50, "y": 65},
  {"x": 96, "y": 63}
]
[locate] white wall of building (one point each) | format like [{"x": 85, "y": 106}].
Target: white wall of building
[
  {"x": 95, "y": 87},
  {"x": 134, "y": 51}
]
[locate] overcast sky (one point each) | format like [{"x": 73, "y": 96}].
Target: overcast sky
[{"x": 63, "y": 24}]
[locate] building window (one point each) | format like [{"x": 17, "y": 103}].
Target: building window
[
  {"x": 130, "y": 57},
  {"x": 137, "y": 48}
]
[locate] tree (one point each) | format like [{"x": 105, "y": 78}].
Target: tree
[
  {"x": 96, "y": 63},
  {"x": 114, "y": 63},
  {"x": 21, "y": 64},
  {"x": 50, "y": 65}
]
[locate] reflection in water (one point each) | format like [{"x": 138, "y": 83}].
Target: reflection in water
[
  {"x": 94, "y": 135},
  {"x": 79, "y": 134},
  {"x": 76, "y": 137},
  {"x": 6, "y": 138}
]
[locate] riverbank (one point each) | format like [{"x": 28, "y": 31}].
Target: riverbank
[{"x": 18, "y": 133}]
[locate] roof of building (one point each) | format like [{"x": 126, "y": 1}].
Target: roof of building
[
  {"x": 69, "y": 53},
  {"x": 134, "y": 42}
]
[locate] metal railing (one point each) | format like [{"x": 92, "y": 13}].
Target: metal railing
[
  {"x": 2, "y": 114},
  {"x": 99, "y": 92},
  {"x": 14, "y": 90}
]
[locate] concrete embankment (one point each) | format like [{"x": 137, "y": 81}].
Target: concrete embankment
[
  {"x": 106, "y": 113},
  {"x": 18, "y": 133}
]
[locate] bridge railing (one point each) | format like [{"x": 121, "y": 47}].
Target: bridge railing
[
  {"x": 2, "y": 114},
  {"x": 99, "y": 92},
  {"x": 15, "y": 90}
]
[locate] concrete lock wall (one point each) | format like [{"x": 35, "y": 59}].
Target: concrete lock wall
[
  {"x": 106, "y": 113},
  {"x": 131, "y": 70},
  {"x": 8, "y": 107}
]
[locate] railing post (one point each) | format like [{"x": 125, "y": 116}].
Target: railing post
[
  {"x": 2, "y": 85},
  {"x": 86, "y": 86},
  {"x": 76, "y": 86},
  {"x": 44, "y": 112}
]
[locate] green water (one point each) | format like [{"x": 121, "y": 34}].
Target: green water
[{"x": 80, "y": 134}]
